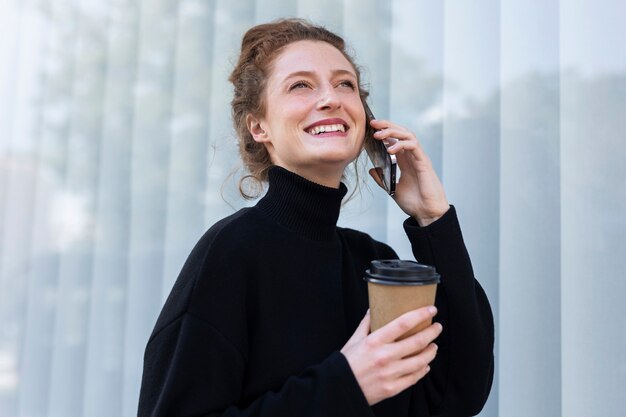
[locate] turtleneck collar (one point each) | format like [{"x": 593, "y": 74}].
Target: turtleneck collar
[{"x": 302, "y": 206}]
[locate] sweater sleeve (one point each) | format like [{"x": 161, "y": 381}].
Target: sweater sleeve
[
  {"x": 461, "y": 375},
  {"x": 190, "y": 369}
]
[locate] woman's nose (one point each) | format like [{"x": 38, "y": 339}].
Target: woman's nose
[{"x": 328, "y": 99}]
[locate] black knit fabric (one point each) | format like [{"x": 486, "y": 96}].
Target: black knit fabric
[
  {"x": 302, "y": 206},
  {"x": 268, "y": 297}
]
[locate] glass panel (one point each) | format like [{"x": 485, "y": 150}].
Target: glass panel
[
  {"x": 530, "y": 261},
  {"x": 416, "y": 79},
  {"x": 105, "y": 355},
  {"x": 593, "y": 203},
  {"x": 471, "y": 137},
  {"x": 368, "y": 212},
  {"x": 150, "y": 167}
]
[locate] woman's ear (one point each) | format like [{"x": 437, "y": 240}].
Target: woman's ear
[{"x": 256, "y": 129}]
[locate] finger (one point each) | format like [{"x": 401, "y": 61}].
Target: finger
[
  {"x": 412, "y": 145},
  {"x": 414, "y": 363},
  {"x": 401, "y": 139},
  {"x": 382, "y": 124},
  {"x": 364, "y": 326},
  {"x": 417, "y": 342},
  {"x": 401, "y": 325},
  {"x": 395, "y": 132},
  {"x": 405, "y": 381},
  {"x": 418, "y": 157},
  {"x": 411, "y": 379},
  {"x": 406, "y": 163}
]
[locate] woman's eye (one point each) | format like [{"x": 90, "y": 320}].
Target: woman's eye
[
  {"x": 298, "y": 84},
  {"x": 347, "y": 83}
]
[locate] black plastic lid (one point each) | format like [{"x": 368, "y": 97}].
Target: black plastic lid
[{"x": 399, "y": 272}]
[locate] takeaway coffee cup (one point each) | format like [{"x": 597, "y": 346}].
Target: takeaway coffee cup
[{"x": 396, "y": 287}]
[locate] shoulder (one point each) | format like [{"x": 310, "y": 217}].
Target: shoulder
[
  {"x": 227, "y": 233},
  {"x": 355, "y": 236},
  {"x": 214, "y": 265},
  {"x": 361, "y": 242},
  {"x": 225, "y": 245}
]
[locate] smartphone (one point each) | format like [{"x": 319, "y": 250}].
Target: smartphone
[{"x": 384, "y": 162}]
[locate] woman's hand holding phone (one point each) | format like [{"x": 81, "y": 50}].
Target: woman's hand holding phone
[{"x": 419, "y": 193}]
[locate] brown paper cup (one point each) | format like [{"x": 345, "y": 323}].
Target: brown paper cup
[
  {"x": 388, "y": 302},
  {"x": 396, "y": 287}
]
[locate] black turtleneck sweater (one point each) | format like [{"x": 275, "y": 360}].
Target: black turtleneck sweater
[{"x": 268, "y": 297}]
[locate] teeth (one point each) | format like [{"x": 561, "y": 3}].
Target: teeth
[{"x": 327, "y": 128}]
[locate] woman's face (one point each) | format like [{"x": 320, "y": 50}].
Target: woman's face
[{"x": 314, "y": 121}]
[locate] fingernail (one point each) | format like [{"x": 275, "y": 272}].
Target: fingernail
[{"x": 432, "y": 310}]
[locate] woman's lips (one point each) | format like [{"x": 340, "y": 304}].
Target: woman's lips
[{"x": 328, "y": 127}]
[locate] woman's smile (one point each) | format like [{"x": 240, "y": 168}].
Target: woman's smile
[{"x": 328, "y": 128}]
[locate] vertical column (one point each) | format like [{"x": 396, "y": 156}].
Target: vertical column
[
  {"x": 79, "y": 194},
  {"x": 366, "y": 28},
  {"x": 471, "y": 137},
  {"x": 104, "y": 368},
  {"x": 21, "y": 99},
  {"x": 593, "y": 195},
  {"x": 416, "y": 87},
  {"x": 268, "y": 10},
  {"x": 188, "y": 157},
  {"x": 530, "y": 285},
  {"x": 224, "y": 168},
  {"x": 55, "y": 73},
  {"x": 323, "y": 12},
  {"x": 148, "y": 185},
  {"x": 10, "y": 28},
  {"x": 10, "y": 19}
]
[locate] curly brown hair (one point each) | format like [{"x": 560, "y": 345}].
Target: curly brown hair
[{"x": 259, "y": 48}]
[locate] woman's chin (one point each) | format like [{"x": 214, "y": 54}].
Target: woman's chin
[
  {"x": 338, "y": 156},
  {"x": 336, "y": 161}
]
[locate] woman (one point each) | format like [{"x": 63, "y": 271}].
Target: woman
[{"x": 269, "y": 316}]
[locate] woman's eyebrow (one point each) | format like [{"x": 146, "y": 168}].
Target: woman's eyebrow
[{"x": 305, "y": 73}]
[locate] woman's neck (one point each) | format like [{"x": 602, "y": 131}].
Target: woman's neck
[
  {"x": 302, "y": 206},
  {"x": 330, "y": 177}
]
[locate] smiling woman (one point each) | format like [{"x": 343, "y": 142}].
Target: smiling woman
[
  {"x": 314, "y": 120},
  {"x": 269, "y": 315},
  {"x": 259, "y": 49}
]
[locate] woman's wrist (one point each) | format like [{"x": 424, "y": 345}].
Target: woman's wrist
[{"x": 426, "y": 219}]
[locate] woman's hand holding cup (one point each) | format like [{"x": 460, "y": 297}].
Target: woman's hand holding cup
[{"x": 383, "y": 362}]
